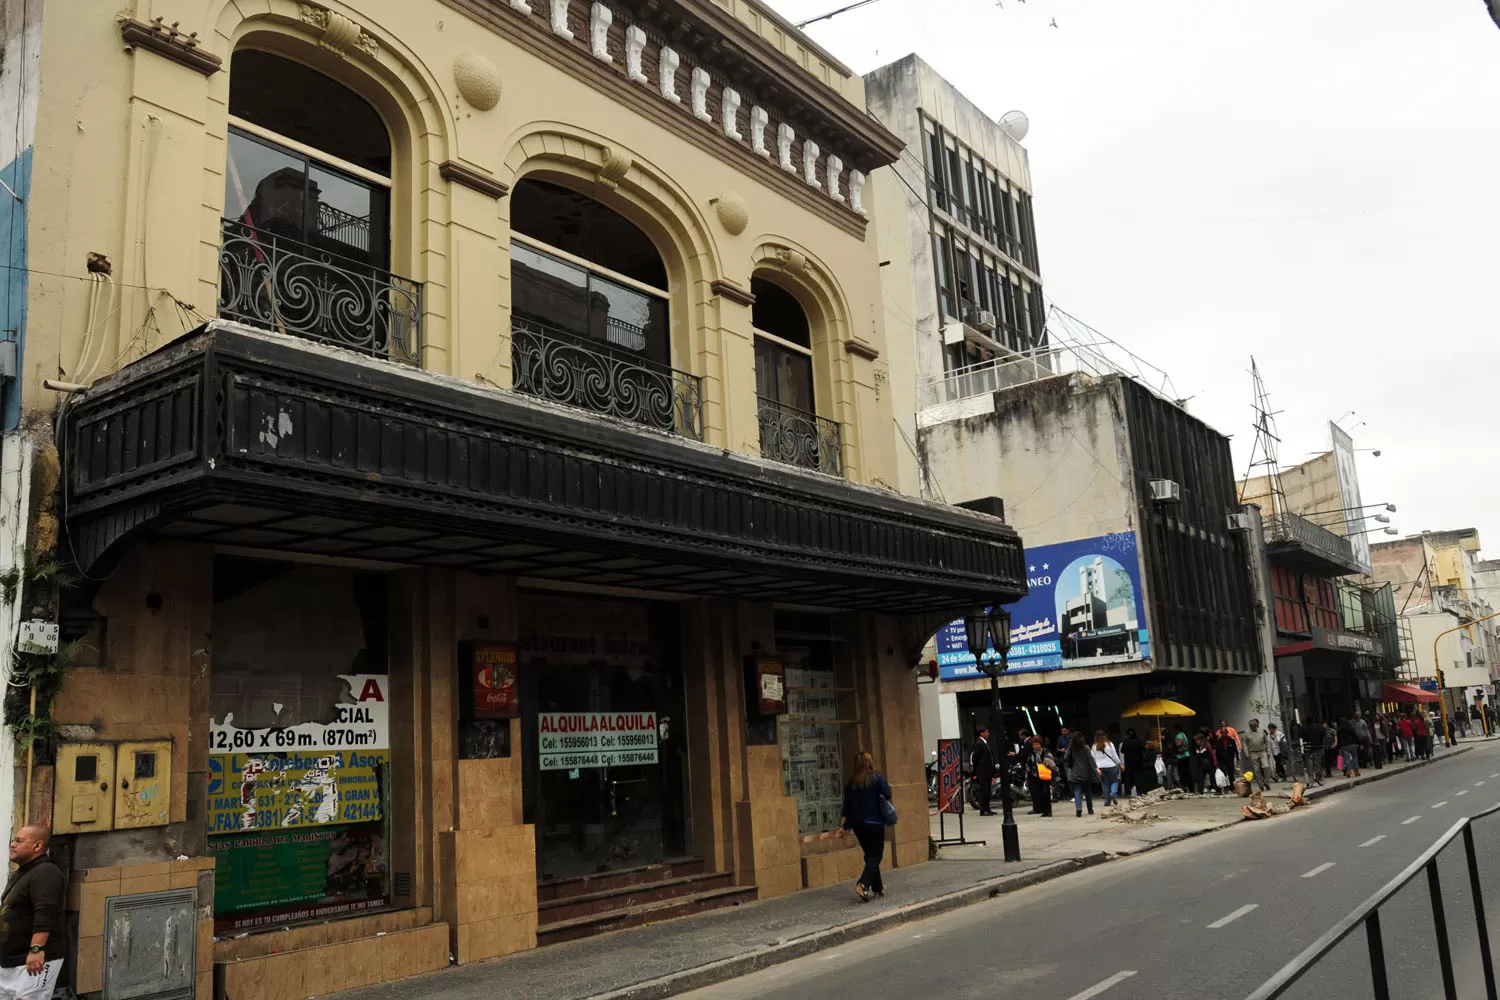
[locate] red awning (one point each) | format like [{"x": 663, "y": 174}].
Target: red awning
[{"x": 1392, "y": 691}]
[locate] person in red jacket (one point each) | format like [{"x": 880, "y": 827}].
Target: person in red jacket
[
  {"x": 1423, "y": 735},
  {"x": 1407, "y": 732}
]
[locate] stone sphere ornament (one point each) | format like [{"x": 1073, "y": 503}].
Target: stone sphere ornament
[{"x": 478, "y": 80}]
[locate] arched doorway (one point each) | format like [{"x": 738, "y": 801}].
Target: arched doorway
[
  {"x": 790, "y": 429},
  {"x": 590, "y": 316},
  {"x": 307, "y": 195}
]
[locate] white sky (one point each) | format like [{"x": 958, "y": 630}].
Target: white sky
[{"x": 1311, "y": 181}]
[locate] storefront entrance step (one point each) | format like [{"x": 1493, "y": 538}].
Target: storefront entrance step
[
  {"x": 622, "y": 897},
  {"x": 645, "y": 913},
  {"x": 582, "y": 885}
]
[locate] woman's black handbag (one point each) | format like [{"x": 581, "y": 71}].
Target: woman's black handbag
[{"x": 887, "y": 811}]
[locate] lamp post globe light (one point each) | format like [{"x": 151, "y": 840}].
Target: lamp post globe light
[{"x": 987, "y": 633}]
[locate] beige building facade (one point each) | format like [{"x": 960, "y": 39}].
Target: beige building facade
[{"x": 462, "y": 433}]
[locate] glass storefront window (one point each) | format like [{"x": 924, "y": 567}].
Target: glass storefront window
[
  {"x": 299, "y": 766},
  {"x": 603, "y": 732},
  {"x": 821, "y": 709}
]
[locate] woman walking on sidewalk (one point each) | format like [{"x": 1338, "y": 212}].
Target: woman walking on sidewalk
[
  {"x": 1107, "y": 760},
  {"x": 864, "y": 816},
  {"x": 1081, "y": 773},
  {"x": 1040, "y": 767}
]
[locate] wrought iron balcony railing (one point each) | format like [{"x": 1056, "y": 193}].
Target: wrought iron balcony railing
[
  {"x": 797, "y": 437},
  {"x": 564, "y": 368},
  {"x": 281, "y": 284}
]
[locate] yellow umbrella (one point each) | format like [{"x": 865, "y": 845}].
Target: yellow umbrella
[{"x": 1156, "y": 708}]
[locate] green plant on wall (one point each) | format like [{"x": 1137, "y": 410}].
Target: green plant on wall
[{"x": 37, "y": 676}]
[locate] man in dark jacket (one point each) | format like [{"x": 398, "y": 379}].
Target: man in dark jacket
[
  {"x": 982, "y": 760},
  {"x": 31, "y": 939}
]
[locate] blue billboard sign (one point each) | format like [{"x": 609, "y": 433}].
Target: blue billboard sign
[{"x": 1084, "y": 609}]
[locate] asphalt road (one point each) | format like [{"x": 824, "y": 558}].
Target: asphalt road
[{"x": 1208, "y": 918}]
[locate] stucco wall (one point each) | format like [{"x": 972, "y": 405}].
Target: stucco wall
[{"x": 1055, "y": 451}]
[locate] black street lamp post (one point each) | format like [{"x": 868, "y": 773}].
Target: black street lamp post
[{"x": 985, "y": 631}]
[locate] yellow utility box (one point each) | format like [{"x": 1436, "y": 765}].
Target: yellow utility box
[
  {"x": 143, "y": 784},
  {"x": 83, "y": 799}
]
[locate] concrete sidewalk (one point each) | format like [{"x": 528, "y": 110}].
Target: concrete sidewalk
[{"x": 662, "y": 960}]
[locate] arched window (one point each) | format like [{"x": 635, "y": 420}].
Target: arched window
[
  {"x": 589, "y": 312},
  {"x": 584, "y": 270},
  {"x": 307, "y": 195},
  {"x": 790, "y": 429}
]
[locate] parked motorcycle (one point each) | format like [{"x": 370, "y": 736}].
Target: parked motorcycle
[{"x": 1018, "y": 792}]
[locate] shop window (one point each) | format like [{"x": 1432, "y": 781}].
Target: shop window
[
  {"x": 603, "y": 732},
  {"x": 299, "y": 817},
  {"x": 820, "y": 710}
]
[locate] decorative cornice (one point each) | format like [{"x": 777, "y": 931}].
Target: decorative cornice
[
  {"x": 165, "y": 40},
  {"x": 729, "y": 290},
  {"x": 531, "y": 32},
  {"x": 874, "y": 145},
  {"x": 457, "y": 173},
  {"x": 860, "y": 349}
]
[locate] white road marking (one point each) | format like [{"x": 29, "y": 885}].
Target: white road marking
[
  {"x": 1319, "y": 870},
  {"x": 1226, "y": 921},
  {"x": 1098, "y": 988},
  {"x": 1439, "y": 805},
  {"x": 1495, "y": 776},
  {"x": 1481, "y": 781},
  {"x": 1373, "y": 841},
  {"x": 1464, "y": 792},
  {"x": 1410, "y": 820}
]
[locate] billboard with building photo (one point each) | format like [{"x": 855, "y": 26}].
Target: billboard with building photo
[
  {"x": 1084, "y": 609},
  {"x": 1343, "y": 457}
]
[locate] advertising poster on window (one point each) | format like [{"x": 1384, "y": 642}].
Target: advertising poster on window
[
  {"x": 296, "y": 813},
  {"x": 311, "y": 774},
  {"x": 571, "y": 740},
  {"x": 1084, "y": 609},
  {"x": 270, "y": 879}
]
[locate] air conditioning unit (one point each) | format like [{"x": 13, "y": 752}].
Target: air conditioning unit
[
  {"x": 1239, "y": 522},
  {"x": 985, "y": 321},
  {"x": 1166, "y": 491}
]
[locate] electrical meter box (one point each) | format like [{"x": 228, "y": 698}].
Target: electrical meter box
[
  {"x": 143, "y": 784},
  {"x": 84, "y": 789}
]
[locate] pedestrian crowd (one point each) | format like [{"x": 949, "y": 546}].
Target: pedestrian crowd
[{"x": 1202, "y": 760}]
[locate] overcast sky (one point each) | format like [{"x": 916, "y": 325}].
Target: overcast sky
[{"x": 1315, "y": 182}]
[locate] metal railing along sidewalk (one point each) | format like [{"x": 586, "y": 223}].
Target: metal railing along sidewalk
[{"x": 1367, "y": 915}]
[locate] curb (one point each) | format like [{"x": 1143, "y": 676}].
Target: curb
[
  {"x": 1318, "y": 793},
  {"x": 787, "y": 951}
]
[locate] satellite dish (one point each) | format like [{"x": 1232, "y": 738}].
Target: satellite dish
[{"x": 1015, "y": 124}]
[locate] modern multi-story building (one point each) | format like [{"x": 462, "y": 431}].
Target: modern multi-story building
[
  {"x": 473, "y": 431},
  {"x": 957, "y": 238}
]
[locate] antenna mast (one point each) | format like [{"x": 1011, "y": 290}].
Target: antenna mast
[{"x": 1267, "y": 441}]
